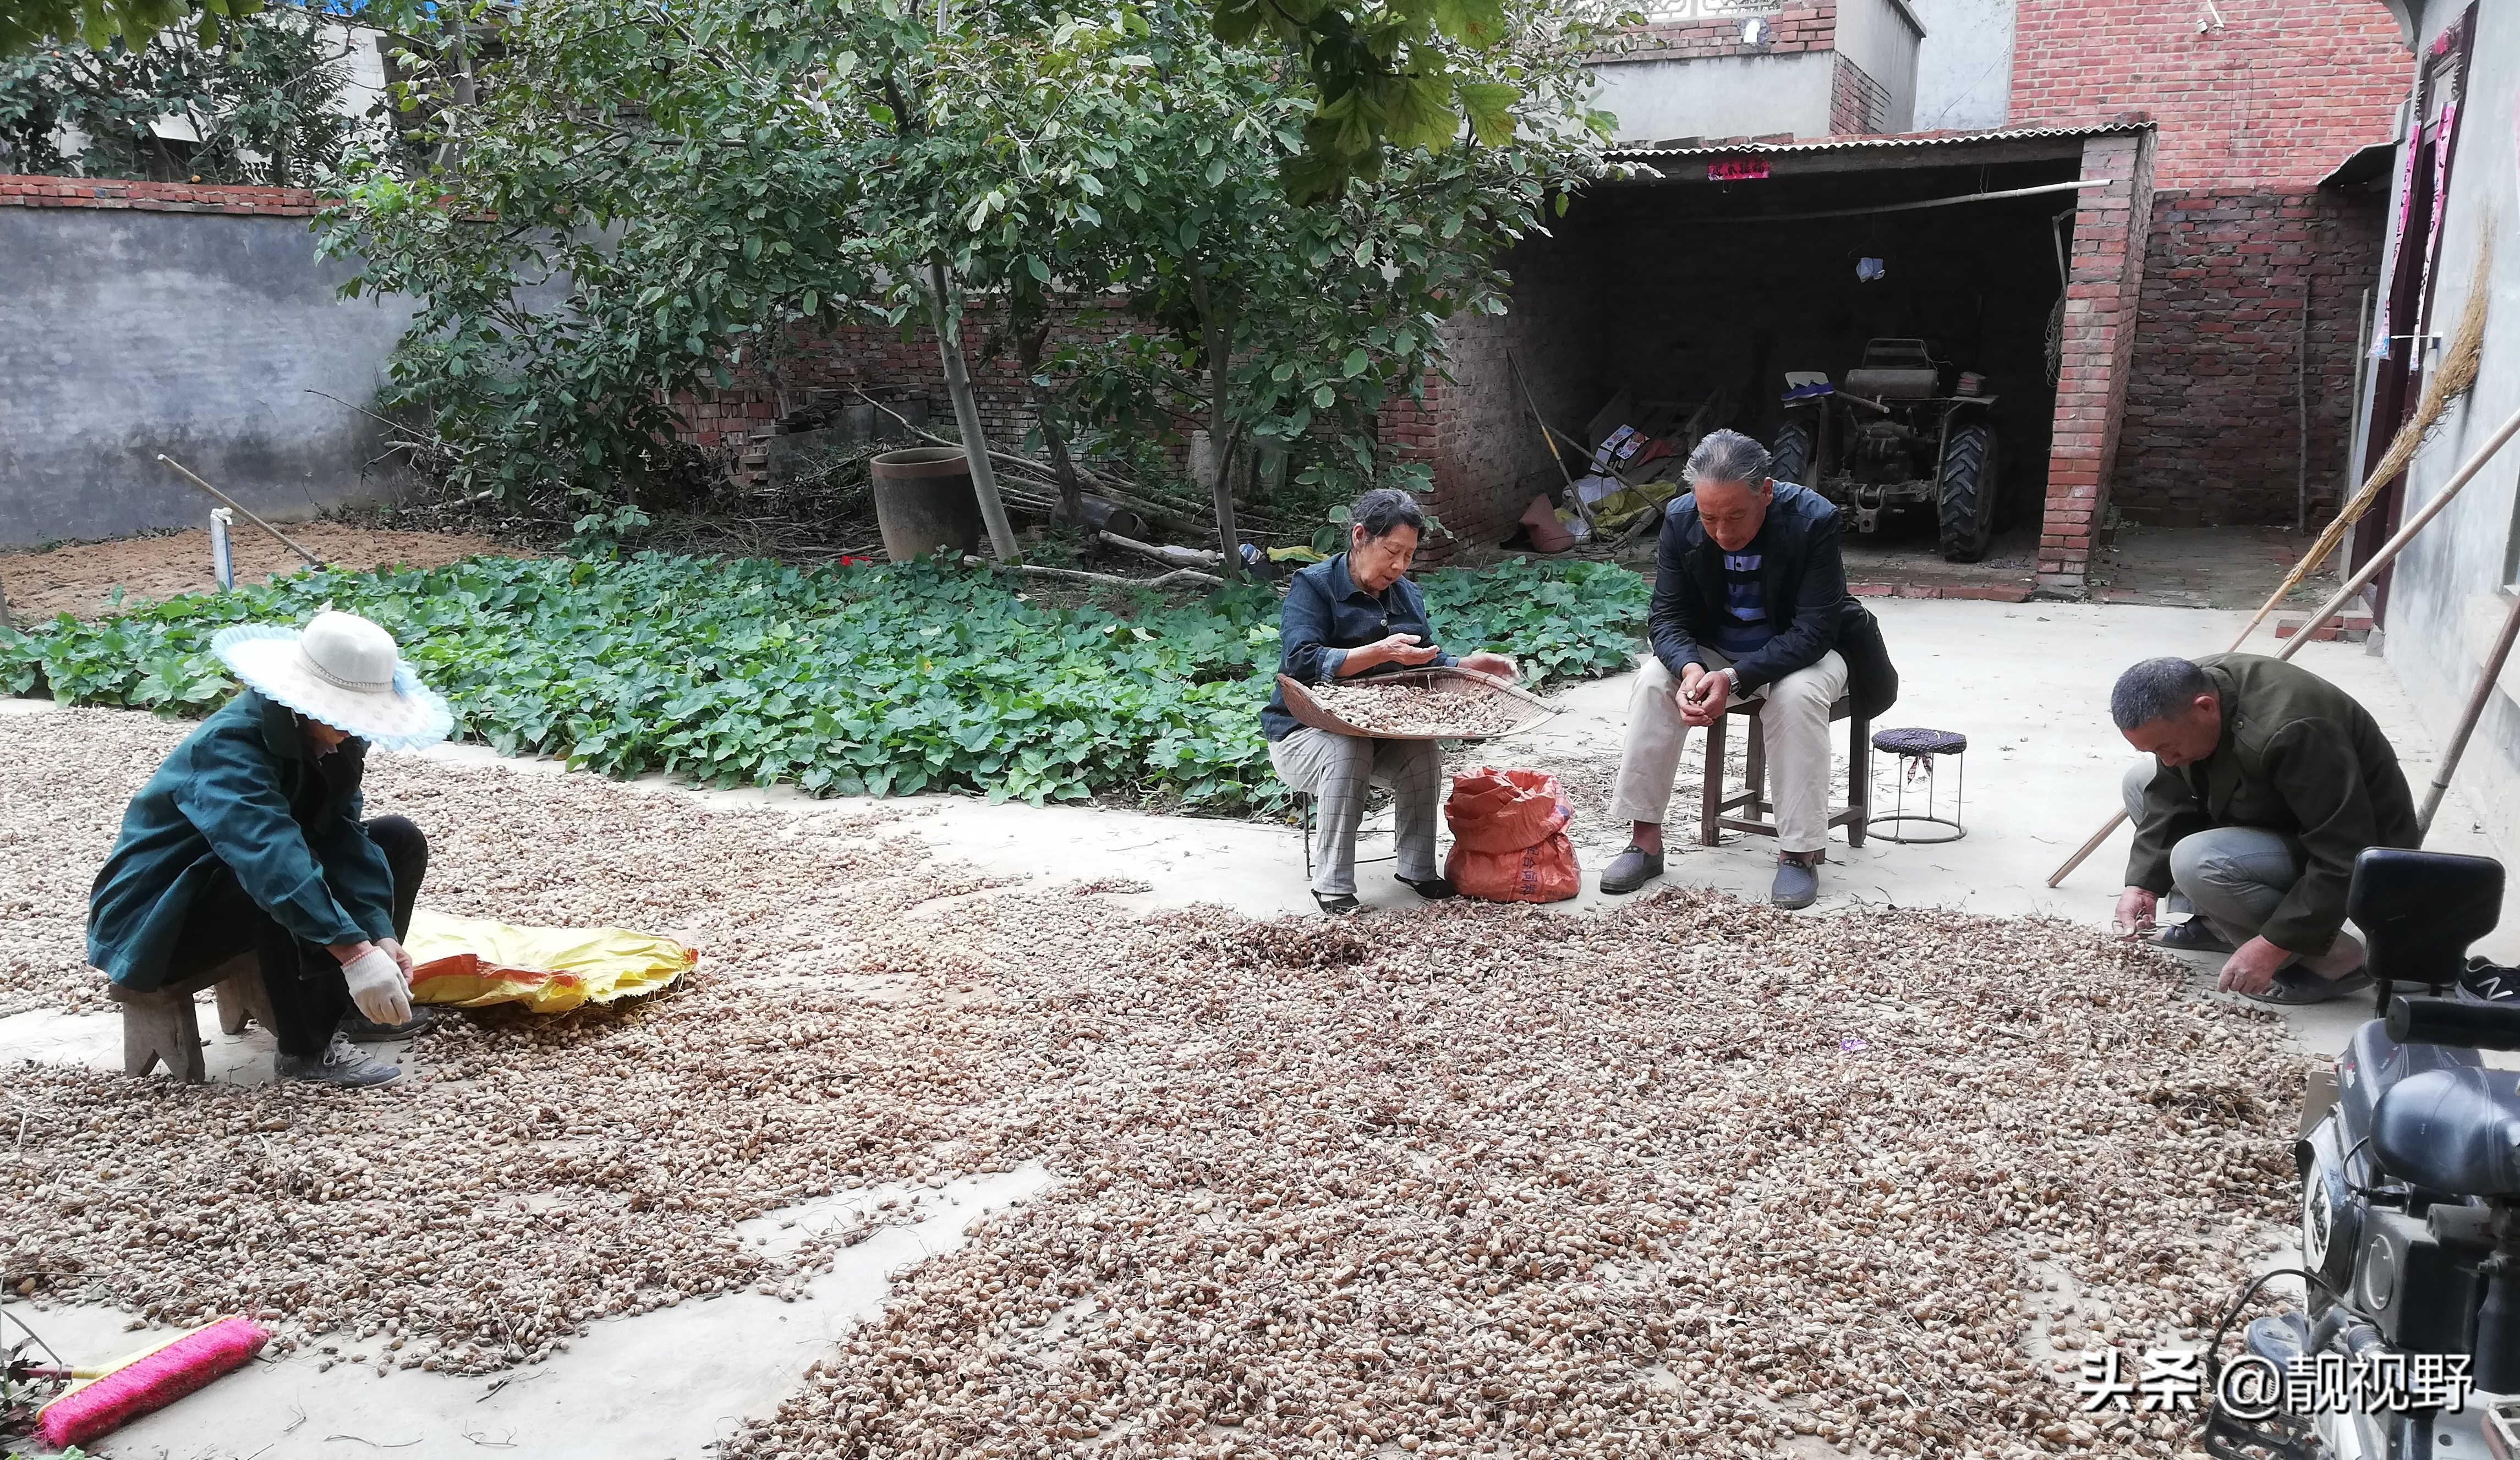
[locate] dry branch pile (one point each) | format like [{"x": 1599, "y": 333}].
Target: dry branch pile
[
  {"x": 1687, "y": 1180},
  {"x": 1455, "y": 709}
]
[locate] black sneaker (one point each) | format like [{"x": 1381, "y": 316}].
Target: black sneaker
[
  {"x": 2295, "y": 986},
  {"x": 341, "y": 1063},
  {"x": 2195, "y": 935}
]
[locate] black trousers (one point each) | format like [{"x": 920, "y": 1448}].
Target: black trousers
[{"x": 308, "y": 995}]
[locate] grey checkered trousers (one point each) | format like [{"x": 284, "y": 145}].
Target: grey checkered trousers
[{"x": 1336, "y": 769}]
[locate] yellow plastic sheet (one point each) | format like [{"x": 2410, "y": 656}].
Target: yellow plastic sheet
[{"x": 473, "y": 961}]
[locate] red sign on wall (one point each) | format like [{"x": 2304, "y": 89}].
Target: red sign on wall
[{"x": 1736, "y": 170}]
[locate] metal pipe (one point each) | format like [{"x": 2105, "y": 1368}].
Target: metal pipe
[
  {"x": 2476, "y": 702},
  {"x": 1929, "y": 203}
]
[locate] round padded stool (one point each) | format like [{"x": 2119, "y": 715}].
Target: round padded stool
[{"x": 1920, "y": 752}]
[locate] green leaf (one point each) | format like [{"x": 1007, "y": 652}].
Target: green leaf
[
  {"x": 1490, "y": 105},
  {"x": 1355, "y": 364}
]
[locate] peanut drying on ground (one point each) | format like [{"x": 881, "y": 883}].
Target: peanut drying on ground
[{"x": 1698, "y": 1178}]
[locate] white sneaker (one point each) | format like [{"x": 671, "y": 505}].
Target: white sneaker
[{"x": 341, "y": 1063}]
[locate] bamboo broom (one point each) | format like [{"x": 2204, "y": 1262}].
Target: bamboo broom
[{"x": 2451, "y": 380}]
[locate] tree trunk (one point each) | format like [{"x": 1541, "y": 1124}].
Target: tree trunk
[
  {"x": 1071, "y": 492},
  {"x": 449, "y": 152},
  {"x": 948, "y": 318},
  {"x": 1220, "y": 358}
]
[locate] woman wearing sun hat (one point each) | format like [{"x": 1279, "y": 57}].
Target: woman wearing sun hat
[{"x": 250, "y": 838}]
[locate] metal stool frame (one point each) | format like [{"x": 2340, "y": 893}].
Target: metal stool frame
[
  {"x": 1306, "y": 800},
  {"x": 1899, "y": 815}
]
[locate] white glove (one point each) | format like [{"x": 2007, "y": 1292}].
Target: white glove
[{"x": 378, "y": 987}]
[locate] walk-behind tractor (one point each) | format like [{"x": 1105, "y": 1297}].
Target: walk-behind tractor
[{"x": 1889, "y": 439}]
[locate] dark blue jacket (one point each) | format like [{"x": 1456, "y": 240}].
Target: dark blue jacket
[
  {"x": 241, "y": 793},
  {"x": 1804, "y": 582},
  {"x": 1325, "y": 614}
]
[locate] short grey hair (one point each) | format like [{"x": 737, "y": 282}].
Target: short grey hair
[
  {"x": 2156, "y": 690},
  {"x": 1384, "y": 509},
  {"x": 1727, "y": 455}
]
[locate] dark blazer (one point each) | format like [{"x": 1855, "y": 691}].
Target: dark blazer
[
  {"x": 2300, "y": 758},
  {"x": 1805, "y": 584}
]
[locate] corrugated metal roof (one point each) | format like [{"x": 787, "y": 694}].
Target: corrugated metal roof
[{"x": 1740, "y": 145}]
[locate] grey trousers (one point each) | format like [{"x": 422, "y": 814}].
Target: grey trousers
[
  {"x": 1336, "y": 769},
  {"x": 1793, "y": 717},
  {"x": 2233, "y": 876}
]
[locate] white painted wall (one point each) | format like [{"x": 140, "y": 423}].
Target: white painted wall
[
  {"x": 2448, "y": 594},
  {"x": 1964, "y": 67},
  {"x": 1718, "y": 96}
]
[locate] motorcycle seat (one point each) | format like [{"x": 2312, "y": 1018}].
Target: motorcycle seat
[{"x": 2454, "y": 1130}]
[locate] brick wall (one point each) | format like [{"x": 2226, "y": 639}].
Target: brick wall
[
  {"x": 1801, "y": 26},
  {"x": 18, "y": 191},
  {"x": 2101, "y": 301},
  {"x": 1858, "y": 105},
  {"x": 2270, "y": 100},
  {"x": 2212, "y": 432},
  {"x": 2251, "y": 113}
]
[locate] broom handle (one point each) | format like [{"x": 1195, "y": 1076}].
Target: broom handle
[
  {"x": 2388, "y": 552},
  {"x": 241, "y": 510},
  {"x": 2486, "y": 680}
]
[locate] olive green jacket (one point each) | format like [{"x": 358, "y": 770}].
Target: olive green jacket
[{"x": 2300, "y": 758}]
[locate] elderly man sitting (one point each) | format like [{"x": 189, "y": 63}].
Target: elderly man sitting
[
  {"x": 1749, "y": 599},
  {"x": 2263, "y": 783},
  {"x": 253, "y": 838}
]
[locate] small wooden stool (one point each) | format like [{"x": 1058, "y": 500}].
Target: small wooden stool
[
  {"x": 1717, "y": 802},
  {"x": 160, "y": 1023}
]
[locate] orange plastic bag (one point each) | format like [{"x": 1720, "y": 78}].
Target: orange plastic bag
[{"x": 1510, "y": 838}]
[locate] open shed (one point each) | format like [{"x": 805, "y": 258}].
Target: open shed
[{"x": 1717, "y": 269}]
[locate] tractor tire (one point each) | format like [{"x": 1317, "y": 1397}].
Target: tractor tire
[
  {"x": 1791, "y": 457},
  {"x": 1965, "y": 492}
]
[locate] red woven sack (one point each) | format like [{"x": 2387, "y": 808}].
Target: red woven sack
[
  {"x": 1510, "y": 839},
  {"x": 1504, "y": 810}
]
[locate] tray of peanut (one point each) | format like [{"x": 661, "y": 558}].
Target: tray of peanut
[{"x": 1418, "y": 704}]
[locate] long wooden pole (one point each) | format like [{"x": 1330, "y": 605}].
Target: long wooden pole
[
  {"x": 2362, "y": 578},
  {"x": 2491, "y": 676},
  {"x": 241, "y": 509}
]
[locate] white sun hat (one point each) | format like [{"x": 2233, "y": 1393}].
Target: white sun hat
[{"x": 342, "y": 670}]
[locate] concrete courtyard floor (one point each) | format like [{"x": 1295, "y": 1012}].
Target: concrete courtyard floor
[{"x": 2026, "y": 683}]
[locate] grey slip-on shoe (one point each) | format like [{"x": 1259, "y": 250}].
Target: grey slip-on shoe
[{"x": 1631, "y": 869}]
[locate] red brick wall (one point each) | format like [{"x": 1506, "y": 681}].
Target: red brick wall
[
  {"x": 19, "y": 191},
  {"x": 2098, "y": 347},
  {"x": 2271, "y": 100},
  {"x": 2212, "y": 433},
  {"x": 2251, "y": 114},
  {"x": 1858, "y": 105},
  {"x": 1802, "y": 25}
]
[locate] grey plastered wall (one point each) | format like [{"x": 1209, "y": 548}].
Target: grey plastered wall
[
  {"x": 2448, "y": 595},
  {"x": 1717, "y": 96},
  {"x": 125, "y": 334},
  {"x": 1964, "y": 64}
]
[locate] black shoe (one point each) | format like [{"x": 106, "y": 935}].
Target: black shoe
[
  {"x": 2195, "y": 935},
  {"x": 359, "y": 1028},
  {"x": 2295, "y": 986},
  {"x": 1337, "y": 903},
  {"x": 1634, "y": 869},
  {"x": 1432, "y": 889}
]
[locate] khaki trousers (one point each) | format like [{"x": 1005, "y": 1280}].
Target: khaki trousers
[{"x": 1793, "y": 719}]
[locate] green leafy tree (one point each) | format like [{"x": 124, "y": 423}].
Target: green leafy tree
[
  {"x": 643, "y": 201},
  {"x": 261, "y": 104}
]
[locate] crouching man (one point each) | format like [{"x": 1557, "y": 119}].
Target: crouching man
[
  {"x": 2265, "y": 782},
  {"x": 1749, "y": 601},
  {"x": 251, "y": 839}
]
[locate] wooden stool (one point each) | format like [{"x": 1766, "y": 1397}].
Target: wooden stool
[
  {"x": 1717, "y": 802},
  {"x": 160, "y": 1023}
]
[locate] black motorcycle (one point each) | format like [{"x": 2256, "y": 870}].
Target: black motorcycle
[{"x": 2408, "y": 1345}]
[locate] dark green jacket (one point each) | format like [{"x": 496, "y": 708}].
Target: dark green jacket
[
  {"x": 2301, "y": 758},
  {"x": 241, "y": 793}
]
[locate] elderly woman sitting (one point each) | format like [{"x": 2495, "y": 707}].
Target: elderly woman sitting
[{"x": 1358, "y": 614}]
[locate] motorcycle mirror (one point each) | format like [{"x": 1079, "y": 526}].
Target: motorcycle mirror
[{"x": 2419, "y": 911}]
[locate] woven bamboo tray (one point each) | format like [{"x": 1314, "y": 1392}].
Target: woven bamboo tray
[{"x": 1535, "y": 710}]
